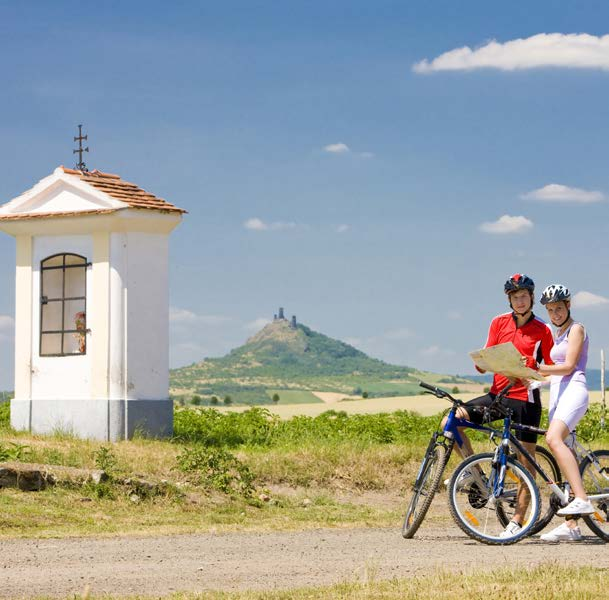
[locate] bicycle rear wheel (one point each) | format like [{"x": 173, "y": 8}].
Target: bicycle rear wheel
[
  {"x": 478, "y": 506},
  {"x": 424, "y": 489},
  {"x": 595, "y": 475},
  {"x": 547, "y": 508}
]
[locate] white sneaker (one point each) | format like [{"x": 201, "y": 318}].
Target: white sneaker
[
  {"x": 562, "y": 533},
  {"x": 576, "y": 507},
  {"x": 511, "y": 530}
]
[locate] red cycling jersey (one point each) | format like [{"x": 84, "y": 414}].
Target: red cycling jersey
[{"x": 533, "y": 340}]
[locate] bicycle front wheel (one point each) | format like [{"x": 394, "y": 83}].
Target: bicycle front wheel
[
  {"x": 595, "y": 476},
  {"x": 424, "y": 489},
  {"x": 547, "y": 507},
  {"x": 483, "y": 497}
]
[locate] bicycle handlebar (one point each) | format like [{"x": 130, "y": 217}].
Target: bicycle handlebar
[
  {"x": 439, "y": 392},
  {"x": 434, "y": 390}
]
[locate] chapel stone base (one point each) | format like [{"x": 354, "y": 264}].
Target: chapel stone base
[{"x": 104, "y": 420}]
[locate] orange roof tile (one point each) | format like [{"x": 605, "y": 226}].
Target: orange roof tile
[
  {"x": 43, "y": 215},
  {"x": 122, "y": 190}
]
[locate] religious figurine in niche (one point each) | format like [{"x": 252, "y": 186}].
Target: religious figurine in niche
[{"x": 80, "y": 320}]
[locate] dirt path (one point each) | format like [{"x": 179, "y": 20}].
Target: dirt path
[{"x": 161, "y": 565}]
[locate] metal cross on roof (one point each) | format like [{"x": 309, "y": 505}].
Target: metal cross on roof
[{"x": 81, "y": 166}]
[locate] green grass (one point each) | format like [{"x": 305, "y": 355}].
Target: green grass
[
  {"x": 59, "y": 512},
  {"x": 294, "y": 396},
  {"x": 320, "y": 457},
  {"x": 550, "y": 580}
]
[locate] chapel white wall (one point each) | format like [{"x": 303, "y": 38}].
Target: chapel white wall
[
  {"x": 147, "y": 309},
  {"x": 68, "y": 377}
]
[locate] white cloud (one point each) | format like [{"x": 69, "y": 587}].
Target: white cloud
[
  {"x": 589, "y": 300},
  {"x": 431, "y": 351},
  {"x": 402, "y": 333},
  {"x": 454, "y": 315},
  {"x": 555, "y": 192},
  {"x": 507, "y": 224},
  {"x": 6, "y": 323},
  {"x": 366, "y": 154},
  {"x": 257, "y": 324},
  {"x": 184, "y": 316},
  {"x": 434, "y": 351},
  {"x": 256, "y": 224},
  {"x": 343, "y": 228},
  {"x": 573, "y": 50},
  {"x": 338, "y": 148}
]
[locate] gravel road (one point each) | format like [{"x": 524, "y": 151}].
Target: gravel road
[{"x": 236, "y": 561}]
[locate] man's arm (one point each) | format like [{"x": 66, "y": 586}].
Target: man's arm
[{"x": 546, "y": 345}]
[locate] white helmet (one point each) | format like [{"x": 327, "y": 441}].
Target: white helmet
[{"x": 555, "y": 293}]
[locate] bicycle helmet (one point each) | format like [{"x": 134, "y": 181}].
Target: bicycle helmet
[
  {"x": 555, "y": 293},
  {"x": 518, "y": 281}
]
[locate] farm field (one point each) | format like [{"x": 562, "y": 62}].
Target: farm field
[
  {"x": 424, "y": 404},
  {"x": 295, "y": 396}
]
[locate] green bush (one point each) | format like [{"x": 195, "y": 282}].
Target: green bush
[
  {"x": 589, "y": 428},
  {"x": 14, "y": 452},
  {"x": 212, "y": 428},
  {"x": 217, "y": 469},
  {"x": 5, "y": 414},
  {"x": 105, "y": 459},
  {"x": 258, "y": 427}
]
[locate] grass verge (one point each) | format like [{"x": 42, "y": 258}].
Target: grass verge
[{"x": 549, "y": 580}]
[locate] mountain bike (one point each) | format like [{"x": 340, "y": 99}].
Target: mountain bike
[
  {"x": 486, "y": 488},
  {"x": 438, "y": 453}
]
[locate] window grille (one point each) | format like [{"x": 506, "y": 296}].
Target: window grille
[{"x": 63, "y": 305}]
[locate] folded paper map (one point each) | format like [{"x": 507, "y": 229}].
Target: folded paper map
[{"x": 505, "y": 360}]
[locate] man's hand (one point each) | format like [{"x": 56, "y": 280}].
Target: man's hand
[{"x": 530, "y": 362}]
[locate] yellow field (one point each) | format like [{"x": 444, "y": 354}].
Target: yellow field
[{"x": 424, "y": 404}]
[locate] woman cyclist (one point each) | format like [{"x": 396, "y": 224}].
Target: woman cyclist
[
  {"x": 533, "y": 339},
  {"x": 568, "y": 402}
]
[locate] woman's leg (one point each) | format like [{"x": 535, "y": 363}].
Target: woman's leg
[{"x": 557, "y": 432}]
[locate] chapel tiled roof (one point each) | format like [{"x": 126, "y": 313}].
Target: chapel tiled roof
[
  {"x": 123, "y": 190},
  {"x": 48, "y": 215}
]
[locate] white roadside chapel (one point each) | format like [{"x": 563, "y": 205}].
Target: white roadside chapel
[{"x": 91, "y": 315}]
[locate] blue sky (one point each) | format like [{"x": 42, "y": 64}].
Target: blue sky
[{"x": 383, "y": 204}]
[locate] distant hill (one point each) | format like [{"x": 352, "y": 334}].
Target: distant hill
[
  {"x": 292, "y": 360},
  {"x": 281, "y": 350}
]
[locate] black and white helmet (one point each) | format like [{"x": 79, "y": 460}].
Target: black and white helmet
[{"x": 555, "y": 293}]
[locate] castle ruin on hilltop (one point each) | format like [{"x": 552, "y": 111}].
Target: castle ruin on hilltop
[{"x": 281, "y": 317}]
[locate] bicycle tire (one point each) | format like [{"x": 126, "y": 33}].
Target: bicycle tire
[
  {"x": 463, "y": 499},
  {"x": 595, "y": 484},
  {"x": 547, "y": 508},
  {"x": 431, "y": 471}
]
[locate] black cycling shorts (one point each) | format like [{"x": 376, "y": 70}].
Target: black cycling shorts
[{"x": 526, "y": 413}]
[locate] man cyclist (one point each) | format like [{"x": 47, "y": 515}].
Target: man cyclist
[{"x": 533, "y": 339}]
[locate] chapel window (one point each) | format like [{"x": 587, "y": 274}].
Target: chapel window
[{"x": 63, "y": 305}]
